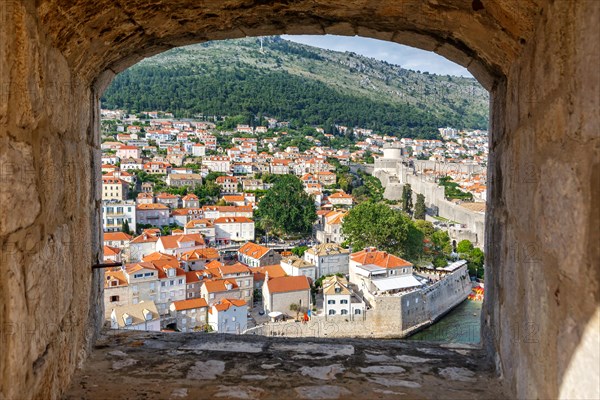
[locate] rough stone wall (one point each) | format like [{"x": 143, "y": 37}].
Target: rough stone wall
[
  {"x": 50, "y": 302},
  {"x": 389, "y": 317},
  {"x": 542, "y": 277}
]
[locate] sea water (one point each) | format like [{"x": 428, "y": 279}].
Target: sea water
[{"x": 461, "y": 325}]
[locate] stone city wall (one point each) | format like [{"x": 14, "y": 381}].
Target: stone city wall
[
  {"x": 434, "y": 199},
  {"x": 388, "y": 317}
]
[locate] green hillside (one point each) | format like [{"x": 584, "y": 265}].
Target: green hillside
[{"x": 300, "y": 84}]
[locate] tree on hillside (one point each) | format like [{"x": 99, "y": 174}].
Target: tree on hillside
[
  {"x": 464, "y": 247},
  {"x": 290, "y": 209},
  {"x": 476, "y": 260},
  {"x": 420, "y": 208},
  {"x": 407, "y": 199},
  {"x": 299, "y": 251},
  {"x": 208, "y": 192},
  {"x": 441, "y": 242},
  {"x": 376, "y": 224},
  {"x": 425, "y": 227},
  {"x": 473, "y": 255}
]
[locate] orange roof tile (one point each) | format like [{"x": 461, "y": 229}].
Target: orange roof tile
[
  {"x": 192, "y": 276},
  {"x": 152, "y": 206},
  {"x": 288, "y": 284},
  {"x": 379, "y": 258},
  {"x": 226, "y": 303},
  {"x": 166, "y": 196},
  {"x": 164, "y": 265},
  {"x": 335, "y": 217},
  {"x": 113, "y": 181},
  {"x": 213, "y": 264},
  {"x": 237, "y": 268},
  {"x": 340, "y": 195},
  {"x": 233, "y": 220},
  {"x": 187, "y": 211},
  {"x": 111, "y": 251},
  {"x": 253, "y": 250},
  {"x": 224, "y": 179},
  {"x": 116, "y": 236},
  {"x": 200, "y": 254},
  {"x": 275, "y": 271},
  {"x": 218, "y": 285},
  {"x": 189, "y": 304},
  {"x": 158, "y": 256},
  {"x": 202, "y": 221},
  {"x": 134, "y": 267},
  {"x": 114, "y": 275},
  {"x": 233, "y": 198},
  {"x": 228, "y": 208},
  {"x": 174, "y": 241}
]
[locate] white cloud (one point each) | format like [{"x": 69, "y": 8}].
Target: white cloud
[{"x": 394, "y": 53}]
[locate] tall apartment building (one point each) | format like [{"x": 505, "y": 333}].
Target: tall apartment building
[{"x": 115, "y": 213}]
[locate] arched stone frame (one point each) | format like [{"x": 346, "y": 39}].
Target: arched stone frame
[{"x": 536, "y": 57}]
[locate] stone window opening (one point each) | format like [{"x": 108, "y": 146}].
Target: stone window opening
[{"x": 513, "y": 50}]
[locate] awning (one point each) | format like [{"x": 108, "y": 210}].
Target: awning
[
  {"x": 396, "y": 283},
  {"x": 454, "y": 266}
]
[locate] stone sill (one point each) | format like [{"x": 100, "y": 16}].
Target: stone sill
[{"x": 143, "y": 365}]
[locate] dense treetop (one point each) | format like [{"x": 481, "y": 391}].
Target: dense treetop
[{"x": 286, "y": 209}]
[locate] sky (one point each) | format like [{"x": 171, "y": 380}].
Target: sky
[{"x": 394, "y": 53}]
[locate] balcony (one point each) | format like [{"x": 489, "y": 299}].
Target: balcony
[
  {"x": 116, "y": 214},
  {"x": 247, "y": 366}
]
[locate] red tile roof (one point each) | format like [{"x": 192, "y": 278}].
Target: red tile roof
[
  {"x": 192, "y": 276},
  {"x": 237, "y": 268},
  {"x": 201, "y": 254},
  {"x": 111, "y": 251},
  {"x": 114, "y": 275},
  {"x": 226, "y": 303},
  {"x": 152, "y": 206},
  {"x": 379, "y": 258},
  {"x": 202, "y": 221},
  {"x": 158, "y": 256},
  {"x": 189, "y": 304},
  {"x": 134, "y": 267},
  {"x": 233, "y": 220},
  {"x": 275, "y": 271},
  {"x": 340, "y": 195},
  {"x": 253, "y": 250},
  {"x": 288, "y": 284},
  {"x": 173, "y": 241},
  {"x": 218, "y": 285},
  {"x": 116, "y": 236}
]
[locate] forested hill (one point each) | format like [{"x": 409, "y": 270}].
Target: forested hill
[{"x": 300, "y": 84}]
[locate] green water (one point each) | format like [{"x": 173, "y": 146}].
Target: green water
[{"x": 461, "y": 325}]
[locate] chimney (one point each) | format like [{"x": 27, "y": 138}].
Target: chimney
[{"x": 266, "y": 276}]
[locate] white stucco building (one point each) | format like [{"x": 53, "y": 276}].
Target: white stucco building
[
  {"x": 136, "y": 317},
  {"x": 228, "y": 316},
  {"x": 233, "y": 229},
  {"x": 296, "y": 266},
  {"x": 339, "y": 299},
  {"x": 115, "y": 212},
  {"x": 329, "y": 258}
]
